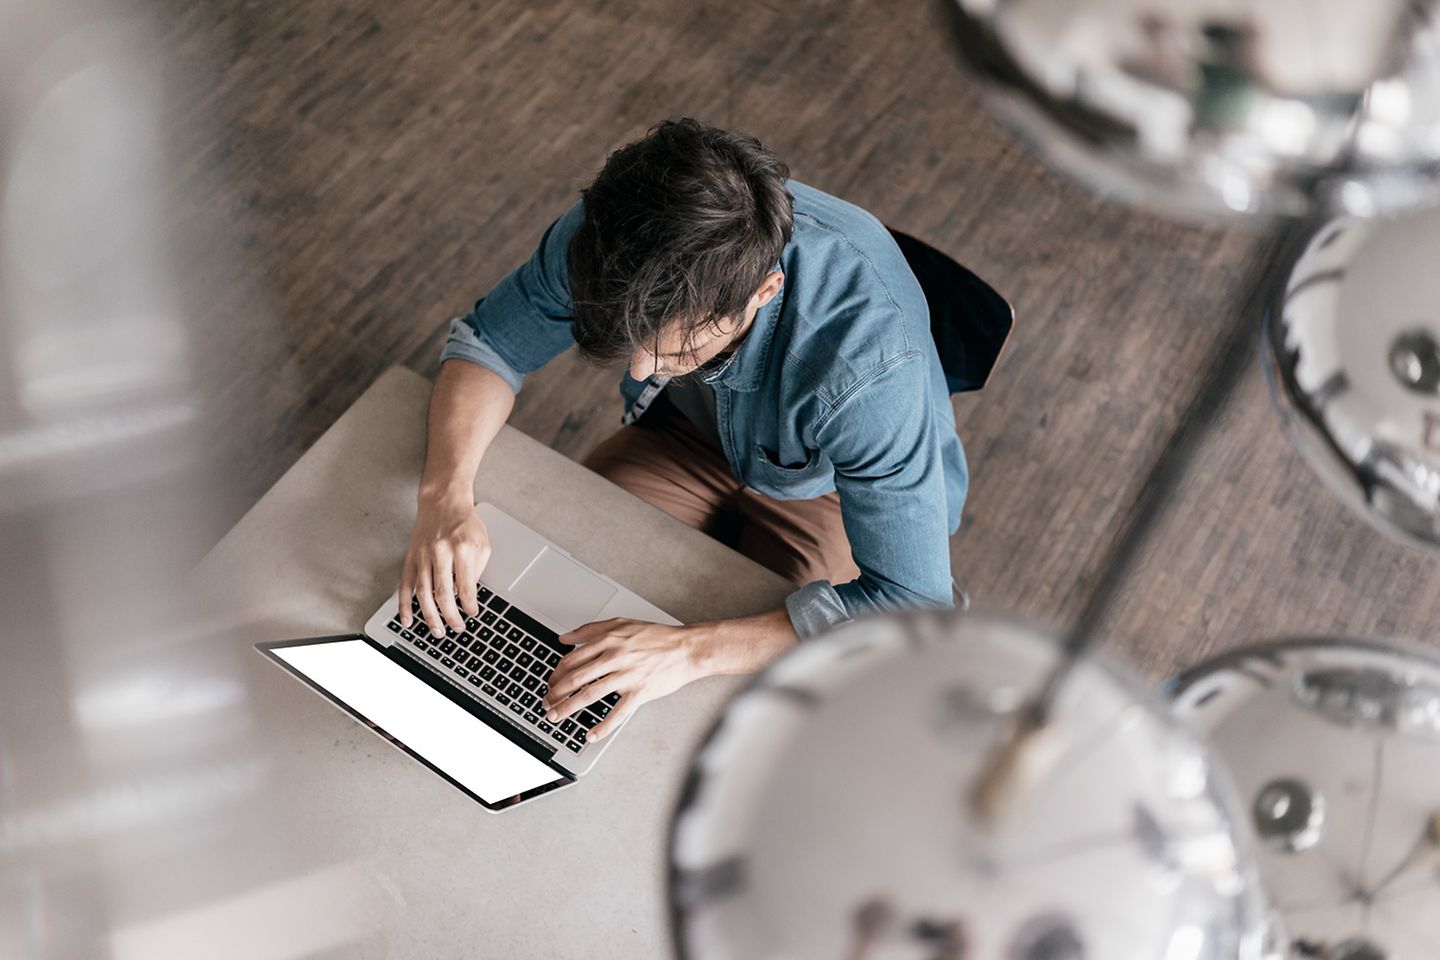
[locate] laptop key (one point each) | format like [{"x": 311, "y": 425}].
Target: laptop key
[
  {"x": 474, "y": 680},
  {"x": 516, "y": 708},
  {"x": 540, "y": 669},
  {"x": 515, "y": 633},
  {"x": 421, "y": 627},
  {"x": 601, "y": 708},
  {"x": 518, "y": 674},
  {"x": 514, "y": 689},
  {"x": 511, "y": 650},
  {"x": 524, "y": 659},
  {"x": 475, "y": 663},
  {"x": 530, "y": 682},
  {"x": 488, "y": 616},
  {"x": 394, "y": 627},
  {"x": 447, "y": 662},
  {"x": 532, "y": 717},
  {"x": 432, "y": 653},
  {"x": 504, "y": 700},
  {"x": 553, "y": 659},
  {"x": 557, "y": 735},
  {"x": 488, "y": 673},
  {"x": 574, "y": 747},
  {"x": 407, "y": 634},
  {"x": 447, "y": 646},
  {"x": 421, "y": 646},
  {"x": 537, "y": 630},
  {"x": 612, "y": 698},
  {"x": 490, "y": 656},
  {"x": 485, "y": 633},
  {"x": 464, "y": 640},
  {"x": 528, "y": 643},
  {"x": 528, "y": 699},
  {"x": 504, "y": 665},
  {"x": 462, "y": 672},
  {"x": 544, "y": 727},
  {"x": 489, "y": 689},
  {"x": 483, "y": 594},
  {"x": 587, "y": 719},
  {"x": 568, "y": 725},
  {"x": 472, "y": 624},
  {"x": 496, "y": 603}
]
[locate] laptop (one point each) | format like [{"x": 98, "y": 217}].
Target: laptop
[{"x": 468, "y": 705}]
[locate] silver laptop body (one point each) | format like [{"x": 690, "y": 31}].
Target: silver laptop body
[{"x": 528, "y": 578}]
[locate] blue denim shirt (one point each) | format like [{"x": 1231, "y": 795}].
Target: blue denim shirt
[{"x": 837, "y": 386}]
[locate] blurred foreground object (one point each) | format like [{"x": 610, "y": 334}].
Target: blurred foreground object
[
  {"x": 1221, "y": 109},
  {"x": 135, "y": 814},
  {"x": 828, "y": 813},
  {"x": 1354, "y": 357},
  {"x": 1335, "y": 746}
]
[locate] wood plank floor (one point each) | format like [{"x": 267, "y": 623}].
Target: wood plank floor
[{"x": 368, "y": 169}]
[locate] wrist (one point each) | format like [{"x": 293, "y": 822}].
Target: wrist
[
  {"x": 738, "y": 646},
  {"x": 446, "y": 492}
]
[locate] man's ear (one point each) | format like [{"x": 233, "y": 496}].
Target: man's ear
[{"x": 770, "y": 286}]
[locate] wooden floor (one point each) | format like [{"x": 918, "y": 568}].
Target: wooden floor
[{"x": 374, "y": 166}]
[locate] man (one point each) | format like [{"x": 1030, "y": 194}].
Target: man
[{"x": 782, "y": 377}]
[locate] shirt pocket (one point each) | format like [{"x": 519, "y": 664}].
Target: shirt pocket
[{"x": 812, "y": 478}]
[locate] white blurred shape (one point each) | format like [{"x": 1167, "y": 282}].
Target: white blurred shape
[
  {"x": 295, "y": 918},
  {"x": 153, "y": 697}
]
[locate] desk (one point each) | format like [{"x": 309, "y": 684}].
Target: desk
[{"x": 577, "y": 874}]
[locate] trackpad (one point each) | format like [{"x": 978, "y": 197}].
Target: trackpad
[{"x": 560, "y": 590}]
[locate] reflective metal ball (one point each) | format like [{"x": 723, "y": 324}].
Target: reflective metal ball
[
  {"x": 1355, "y": 367},
  {"x": 829, "y": 812},
  {"x": 1221, "y": 109},
  {"x": 1357, "y": 723}
]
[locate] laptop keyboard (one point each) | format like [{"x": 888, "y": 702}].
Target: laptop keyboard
[{"x": 506, "y": 657}]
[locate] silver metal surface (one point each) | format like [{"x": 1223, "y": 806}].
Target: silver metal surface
[
  {"x": 1314, "y": 712},
  {"x": 1351, "y": 349},
  {"x": 1221, "y": 109},
  {"x": 828, "y": 815}
]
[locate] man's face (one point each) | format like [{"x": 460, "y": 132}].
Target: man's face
[{"x": 678, "y": 351}]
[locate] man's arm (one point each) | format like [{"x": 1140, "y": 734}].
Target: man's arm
[
  {"x": 518, "y": 327},
  {"x": 449, "y": 545}
]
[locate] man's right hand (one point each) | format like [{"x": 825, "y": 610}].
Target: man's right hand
[{"x": 449, "y": 547}]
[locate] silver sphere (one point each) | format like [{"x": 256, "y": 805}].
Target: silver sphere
[
  {"x": 828, "y": 814},
  {"x": 1357, "y": 724},
  {"x": 1222, "y": 109},
  {"x": 1354, "y": 358}
]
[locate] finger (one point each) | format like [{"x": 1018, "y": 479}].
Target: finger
[
  {"x": 581, "y": 655},
  {"x": 445, "y": 592},
  {"x": 407, "y": 590},
  {"x": 425, "y": 593},
  {"x": 467, "y": 572},
  {"x": 582, "y": 698},
  {"x": 628, "y": 704},
  {"x": 562, "y": 684}
]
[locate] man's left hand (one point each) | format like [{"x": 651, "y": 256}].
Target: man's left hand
[{"x": 640, "y": 661}]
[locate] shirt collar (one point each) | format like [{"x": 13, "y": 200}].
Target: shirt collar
[{"x": 745, "y": 370}]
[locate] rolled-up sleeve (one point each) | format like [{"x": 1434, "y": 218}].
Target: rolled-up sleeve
[
  {"x": 885, "y": 447},
  {"x": 524, "y": 322}
]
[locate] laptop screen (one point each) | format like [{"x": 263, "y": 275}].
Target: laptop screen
[{"x": 404, "y": 708}]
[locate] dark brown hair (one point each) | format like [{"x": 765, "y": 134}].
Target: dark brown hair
[{"x": 680, "y": 227}]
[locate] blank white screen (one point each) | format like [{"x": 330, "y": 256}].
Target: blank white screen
[{"x": 404, "y": 706}]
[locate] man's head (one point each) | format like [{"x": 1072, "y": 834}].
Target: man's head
[{"x": 676, "y": 252}]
